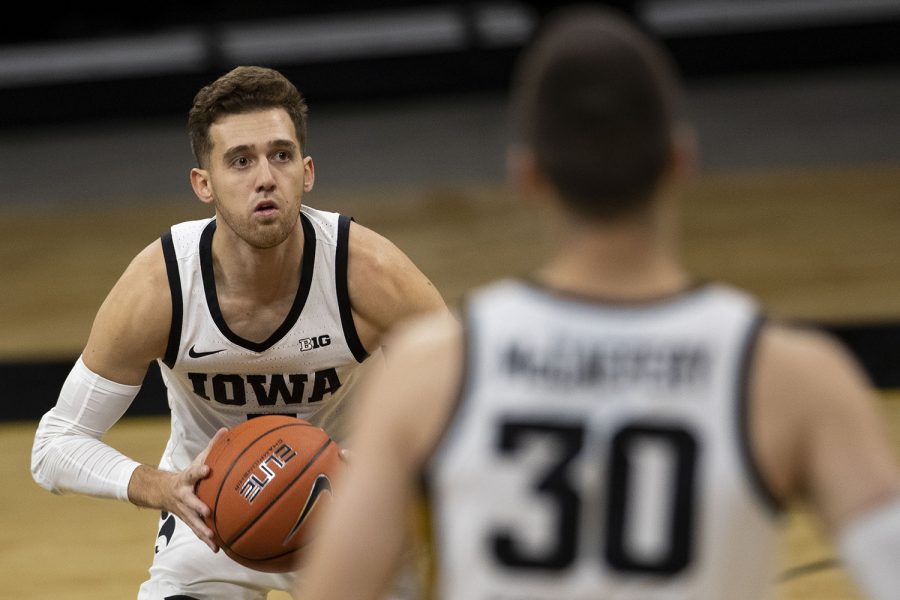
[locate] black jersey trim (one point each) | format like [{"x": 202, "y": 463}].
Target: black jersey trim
[
  {"x": 745, "y": 369},
  {"x": 661, "y": 301},
  {"x": 168, "y": 246},
  {"x": 341, "y": 259},
  {"x": 212, "y": 299}
]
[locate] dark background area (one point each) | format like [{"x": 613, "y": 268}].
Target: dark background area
[{"x": 51, "y": 57}]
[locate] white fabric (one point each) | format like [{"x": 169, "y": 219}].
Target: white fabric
[
  {"x": 218, "y": 379},
  {"x": 68, "y": 454},
  {"x": 870, "y": 547},
  {"x": 197, "y": 415},
  {"x": 185, "y": 566},
  {"x": 562, "y": 393}
]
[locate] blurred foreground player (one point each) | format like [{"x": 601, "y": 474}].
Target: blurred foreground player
[
  {"x": 269, "y": 307},
  {"x": 611, "y": 428}
]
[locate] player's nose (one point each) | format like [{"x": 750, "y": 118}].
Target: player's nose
[{"x": 265, "y": 179}]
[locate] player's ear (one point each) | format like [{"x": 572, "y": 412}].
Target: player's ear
[
  {"x": 201, "y": 184},
  {"x": 309, "y": 174},
  {"x": 523, "y": 174},
  {"x": 684, "y": 155}
]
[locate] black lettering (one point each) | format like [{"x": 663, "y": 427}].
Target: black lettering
[
  {"x": 220, "y": 385},
  {"x": 518, "y": 362},
  {"x": 591, "y": 370},
  {"x": 199, "y": 381},
  {"x": 553, "y": 485},
  {"x": 326, "y": 382},
  {"x": 290, "y": 394}
]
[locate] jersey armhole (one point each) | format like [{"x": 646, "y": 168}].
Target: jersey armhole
[
  {"x": 168, "y": 247},
  {"x": 342, "y": 254},
  {"x": 746, "y": 360}
]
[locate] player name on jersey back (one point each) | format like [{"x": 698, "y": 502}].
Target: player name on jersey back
[{"x": 585, "y": 363}]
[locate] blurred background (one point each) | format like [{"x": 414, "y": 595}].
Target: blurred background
[
  {"x": 408, "y": 129},
  {"x": 797, "y": 105}
]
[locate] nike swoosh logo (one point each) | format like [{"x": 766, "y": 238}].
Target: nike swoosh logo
[
  {"x": 320, "y": 485},
  {"x": 194, "y": 354}
]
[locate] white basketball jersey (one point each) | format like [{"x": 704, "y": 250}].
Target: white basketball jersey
[
  {"x": 599, "y": 451},
  {"x": 216, "y": 378}
]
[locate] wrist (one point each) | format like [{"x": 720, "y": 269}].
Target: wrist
[{"x": 146, "y": 487}]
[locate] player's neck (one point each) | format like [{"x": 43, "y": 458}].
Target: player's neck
[
  {"x": 632, "y": 259},
  {"x": 262, "y": 275}
]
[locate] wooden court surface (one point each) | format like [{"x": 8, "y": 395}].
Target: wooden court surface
[{"x": 816, "y": 244}]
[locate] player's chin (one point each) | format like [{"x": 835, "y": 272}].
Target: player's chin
[{"x": 265, "y": 235}]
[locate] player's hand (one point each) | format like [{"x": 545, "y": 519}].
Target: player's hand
[{"x": 186, "y": 505}]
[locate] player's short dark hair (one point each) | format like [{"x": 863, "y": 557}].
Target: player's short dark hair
[
  {"x": 242, "y": 90},
  {"x": 595, "y": 98}
]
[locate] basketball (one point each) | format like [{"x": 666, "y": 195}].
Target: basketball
[{"x": 270, "y": 479}]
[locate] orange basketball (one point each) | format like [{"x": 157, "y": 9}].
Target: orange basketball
[{"x": 270, "y": 478}]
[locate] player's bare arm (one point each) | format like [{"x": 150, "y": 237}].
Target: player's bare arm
[
  {"x": 130, "y": 330},
  {"x": 385, "y": 286},
  {"x": 812, "y": 402},
  {"x": 132, "y": 325},
  {"x": 393, "y": 436}
]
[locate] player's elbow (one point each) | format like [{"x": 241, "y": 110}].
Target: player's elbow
[
  {"x": 41, "y": 474},
  {"x": 46, "y": 453}
]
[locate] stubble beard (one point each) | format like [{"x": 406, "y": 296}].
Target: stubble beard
[{"x": 261, "y": 236}]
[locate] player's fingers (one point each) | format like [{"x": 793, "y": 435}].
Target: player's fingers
[
  {"x": 194, "y": 473},
  {"x": 198, "y": 507},
  {"x": 201, "y": 458},
  {"x": 195, "y": 520},
  {"x": 206, "y": 536}
]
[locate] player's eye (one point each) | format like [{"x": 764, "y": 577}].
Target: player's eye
[
  {"x": 282, "y": 155},
  {"x": 240, "y": 162}
]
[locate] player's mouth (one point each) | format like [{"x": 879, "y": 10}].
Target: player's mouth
[{"x": 265, "y": 208}]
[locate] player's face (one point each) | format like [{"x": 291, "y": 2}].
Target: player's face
[{"x": 257, "y": 175}]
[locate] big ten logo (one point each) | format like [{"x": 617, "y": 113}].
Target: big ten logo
[
  {"x": 315, "y": 342},
  {"x": 255, "y": 482}
]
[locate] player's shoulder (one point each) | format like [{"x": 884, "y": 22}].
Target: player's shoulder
[
  {"x": 133, "y": 323},
  {"x": 144, "y": 284},
  {"x": 428, "y": 336},
  {"x": 385, "y": 285},
  {"x": 372, "y": 252},
  {"x": 150, "y": 262},
  {"x": 807, "y": 372},
  {"x": 799, "y": 349}
]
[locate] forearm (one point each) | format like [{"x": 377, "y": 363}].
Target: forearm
[
  {"x": 68, "y": 454},
  {"x": 147, "y": 486},
  {"x": 367, "y": 527}
]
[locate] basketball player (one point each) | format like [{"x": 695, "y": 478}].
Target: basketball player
[
  {"x": 610, "y": 428},
  {"x": 270, "y": 306}
]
